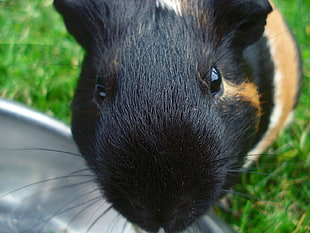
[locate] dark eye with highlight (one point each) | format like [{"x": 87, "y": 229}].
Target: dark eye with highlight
[
  {"x": 100, "y": 89},
  {"x": 216, "y": 81},
  {"x": 105, "y": 88}
]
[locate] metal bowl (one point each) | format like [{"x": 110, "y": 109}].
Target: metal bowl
[{"x": 45, "y": 185}]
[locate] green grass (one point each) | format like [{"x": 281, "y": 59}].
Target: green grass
[
  {"x": 39, "y": 60},
  {"x": 39, "y": 66}
]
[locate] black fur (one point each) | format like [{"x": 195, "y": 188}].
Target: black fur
[{"x": 160, "y": 143}]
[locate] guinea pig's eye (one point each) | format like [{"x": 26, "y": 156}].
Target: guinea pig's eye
[
  {"x": 216, "y": 81},
  {"x": 100, "y": 89},
  {"x": 105, "y": 88}
]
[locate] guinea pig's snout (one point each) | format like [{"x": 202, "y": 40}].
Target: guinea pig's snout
[{"x": 155, "y": 152}]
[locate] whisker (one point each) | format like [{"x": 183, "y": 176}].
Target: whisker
[
  {"x": 64, "y": 209},
  {"x": 79, "y": 171},
  {"x": 271, "y": 175},
  {"x": 71, "y": 175},
  {"x": 241, "y": 194},
  {"x": 57, "y": 213},
  {"x": 237, "y": 156},
  {"x": 125, "y": 225},
  {"x": 199, "y": 227},
  {"x": 226, "y": 208},
  {"x": 72, "y": 185},
  {"x": 89, "y": 203},
  {"x": 254, "y": 172},
  {"x": 115, "y": 223},
  {"x": 98, "y": 218},
  {"x": 42, "y": 149}
]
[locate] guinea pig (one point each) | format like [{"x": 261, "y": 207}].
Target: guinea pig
[{"x": 174, "y": 96}]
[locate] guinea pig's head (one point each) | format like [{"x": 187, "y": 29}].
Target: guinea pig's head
[{"x": 165, "y": 106}]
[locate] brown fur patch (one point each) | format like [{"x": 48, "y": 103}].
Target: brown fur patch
[{"x": 247, "y": 91}]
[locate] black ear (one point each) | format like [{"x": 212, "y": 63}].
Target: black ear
[
  {"x": 85, "y": 20},
  {"x": 243, "y": 20}
]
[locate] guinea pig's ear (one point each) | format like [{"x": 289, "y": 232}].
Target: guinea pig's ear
[
  {"x": 84, "y": 19},
  {"x": 243, "y": 21}
]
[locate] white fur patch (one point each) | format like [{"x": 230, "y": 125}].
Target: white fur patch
[
  {"x": 278, "y": 108},
  {"x": 173, "y": 5}
]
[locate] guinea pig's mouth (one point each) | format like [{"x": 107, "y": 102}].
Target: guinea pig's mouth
[
  {"x": 173, "y": 226},
  {"x": 162, "y": 220}
]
